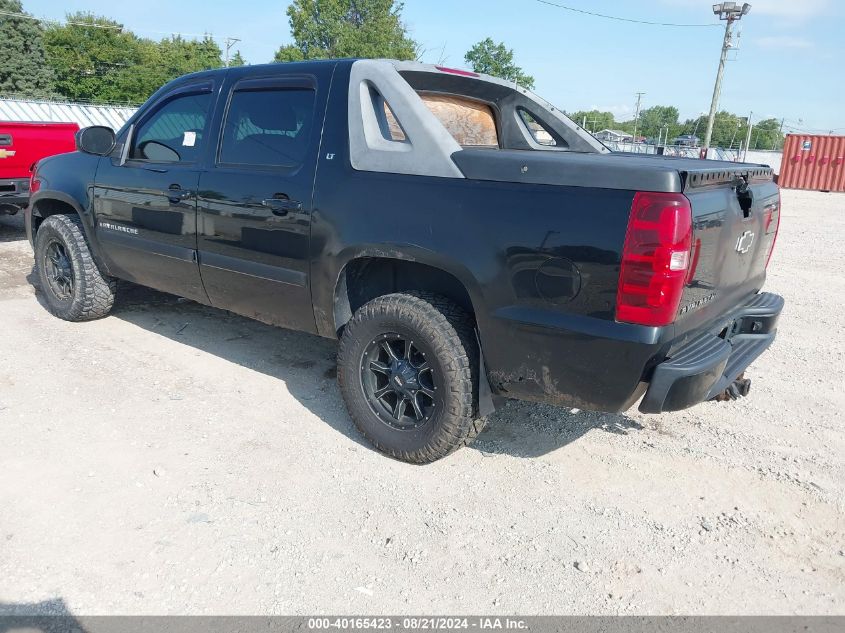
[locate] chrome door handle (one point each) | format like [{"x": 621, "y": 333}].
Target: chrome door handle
[
  {"x": 175, "y": 194},
  {"x": 281, "y": 206}
]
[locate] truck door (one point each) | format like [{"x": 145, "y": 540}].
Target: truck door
[
  {"x": 145, "y": 205},
  {"x": 255, "y": 198}
]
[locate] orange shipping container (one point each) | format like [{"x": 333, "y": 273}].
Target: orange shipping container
[{"x": 813, "y": 162}]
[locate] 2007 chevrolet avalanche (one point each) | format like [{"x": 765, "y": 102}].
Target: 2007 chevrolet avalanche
[{"x": 463, "y": 239}]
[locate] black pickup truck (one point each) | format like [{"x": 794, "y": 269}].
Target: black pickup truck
[{"x": 464, "y": 240}]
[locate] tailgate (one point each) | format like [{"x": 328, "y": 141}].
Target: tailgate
[{"x": 735, "y": 216}]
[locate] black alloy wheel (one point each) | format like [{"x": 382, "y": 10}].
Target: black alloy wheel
[
  {"x": 398, "y": 381},
  {"x": 59, "y": 271},
  {"x": 71, "y": 283},
  {"x": 408, "y": 371}
]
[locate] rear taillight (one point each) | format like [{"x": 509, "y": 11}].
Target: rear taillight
[
  {"x": 772, "y": 222},
  {"x": 655, "y": 259},
  {"x": 34, "y": 183}
]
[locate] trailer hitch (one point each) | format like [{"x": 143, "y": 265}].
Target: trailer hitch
[{"x": 739, "y": 388}]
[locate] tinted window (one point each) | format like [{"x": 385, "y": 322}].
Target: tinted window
[
  {"x": 174, "y": 133},
  {"x": 268, "y": 127}
]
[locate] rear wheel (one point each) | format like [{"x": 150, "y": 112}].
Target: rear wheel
[
  {"x": 74, "y": 289},
  {"x": 407, "y": 368}
]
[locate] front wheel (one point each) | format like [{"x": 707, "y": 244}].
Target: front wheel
[
  {"x": 407, "y": 368},
  {"x": 74, "y": 289}
]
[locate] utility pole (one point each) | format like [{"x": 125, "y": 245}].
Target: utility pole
[
  {"x": 230, "y": 42},
  {"x": 697, "y": 123},
  {"x": 747, "y": 137},
  {"x": 730, "y": 12},
  {"x": 637, "y": 115},
  {"x": 780, "y": 133}
]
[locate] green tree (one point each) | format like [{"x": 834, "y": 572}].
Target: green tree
[
  {"x": 497, "y": 59},
  {"x": 695, "y": 126},
  {"x": 658, "y": 121},
  {"x": 180, "y": 56},
  {"x": 593, "y": 120},
  {"x": 167, "y": 59},
  {"x": 767, "y": 135},
  {"x": 90, "y": 56},
  {"x": 23, "y": 70},
  {"x": 728, "y": 129},
  {"x": 237, "y": 59},
  {"x": 346, "y": 28},
  {"x": 95, "y": 59}
]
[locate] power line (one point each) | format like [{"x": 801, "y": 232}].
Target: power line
[
  {"x": 620, "y": 19},
  {"x": 115, "y": 27},
  {"x": 799, "y": 127},
  {"x": 10, "y": 14}
]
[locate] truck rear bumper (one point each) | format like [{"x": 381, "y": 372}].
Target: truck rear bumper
[
  {"x": 706, "y": 365},
  {"x": 14, "y": 195}
]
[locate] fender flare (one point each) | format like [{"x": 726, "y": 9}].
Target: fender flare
[
  {"x": 399, "y": 252},
  {"x": 85, "y": 216},
  {"x": 487, "y": 402}
]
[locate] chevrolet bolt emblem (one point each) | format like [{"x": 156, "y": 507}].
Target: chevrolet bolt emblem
[
  {"x": 743, "y": 244},
  {"x": 7, "y": 153}
]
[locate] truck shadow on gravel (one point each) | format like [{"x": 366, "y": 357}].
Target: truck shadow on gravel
[
  {"x": 12, "y": 228},
  {"x": 307, "y": 365},
  {"x": 526, "y": 429},
  {"x": 49, "y": 616}
]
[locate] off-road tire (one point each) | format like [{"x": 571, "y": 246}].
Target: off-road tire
[
  {"x": 448, "y": 332},
  {"x": 93, "y": 293}
]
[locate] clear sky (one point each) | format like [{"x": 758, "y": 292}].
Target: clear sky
[{"x": 790, "y": 62}]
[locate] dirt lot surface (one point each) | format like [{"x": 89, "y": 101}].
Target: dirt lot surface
[{"x": 173, "y": 458}]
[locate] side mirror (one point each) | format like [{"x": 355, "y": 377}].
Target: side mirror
[{"x": 97, "y": 139}]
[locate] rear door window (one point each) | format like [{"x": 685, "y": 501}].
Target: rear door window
[{"x": 269, "y": 127}]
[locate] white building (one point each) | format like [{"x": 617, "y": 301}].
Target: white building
[{"x": 614, "y": 135}]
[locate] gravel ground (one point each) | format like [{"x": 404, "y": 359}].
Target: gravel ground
[{"x": 173, "y": 458}]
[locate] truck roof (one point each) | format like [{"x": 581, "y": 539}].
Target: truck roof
[{"x": 401, "y": 66}]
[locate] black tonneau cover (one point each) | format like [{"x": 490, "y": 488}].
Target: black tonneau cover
[{"x": 633, "y": 172}]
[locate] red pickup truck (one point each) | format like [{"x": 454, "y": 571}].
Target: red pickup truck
[{"x": 21, "y": 146}]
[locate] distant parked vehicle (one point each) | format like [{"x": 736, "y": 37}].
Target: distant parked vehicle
[
  {"x": 686, "y": 140},
  {"x": 21, "y": 146}
]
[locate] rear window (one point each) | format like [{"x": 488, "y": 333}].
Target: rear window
[{"x": 470, "y": 122}]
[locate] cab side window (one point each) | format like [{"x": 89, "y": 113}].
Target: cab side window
[
  {"x": 268, "y": 127},
  {"x": 175, "y": 132}
]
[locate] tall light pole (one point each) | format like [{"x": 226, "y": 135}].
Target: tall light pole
[
  {"x": 697, "y": 123},
  {"x": 748, "y": 136},
  {"x": 729, "y": 12}
]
